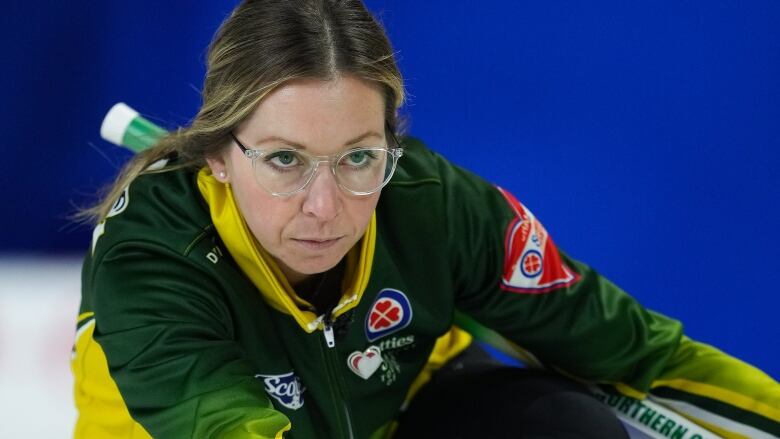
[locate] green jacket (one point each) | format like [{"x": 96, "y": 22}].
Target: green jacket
[{"x": 195, "y": 351}]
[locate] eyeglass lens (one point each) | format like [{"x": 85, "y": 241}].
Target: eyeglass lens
[{"x": 362, "y": 170}]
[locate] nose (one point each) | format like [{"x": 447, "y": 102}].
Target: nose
[{"x": 323, "y": 196}]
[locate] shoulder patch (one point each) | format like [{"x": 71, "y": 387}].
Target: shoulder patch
[
  {"x": 120, "y": 204},
  {"x": 118, "y": 207},
  {"x": 532, "y": 264}
]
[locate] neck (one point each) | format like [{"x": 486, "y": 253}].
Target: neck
[
  {"x": 307, "y": 284},
  {"x": 323, "y": 290}
]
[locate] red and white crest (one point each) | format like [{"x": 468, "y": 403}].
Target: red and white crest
[
  {"x": 390, "y": 312},
  {"x": 532, "y": 264}
]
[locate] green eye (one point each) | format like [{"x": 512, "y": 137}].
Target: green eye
[
  {"x": 358, "y": 157},
  {"x": 283, "y": 159}
]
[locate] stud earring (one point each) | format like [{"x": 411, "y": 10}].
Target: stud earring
[{"x": 222, "y": 174}]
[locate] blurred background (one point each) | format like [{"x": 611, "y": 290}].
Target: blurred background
[{"x": 645, "y": 135}]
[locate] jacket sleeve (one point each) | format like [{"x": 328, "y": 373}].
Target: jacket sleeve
[
  {"x": 511, "y": 278},
  {"x": 169, "y": 347}
]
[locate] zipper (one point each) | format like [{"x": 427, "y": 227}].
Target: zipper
[
  {"x": 327, "y": 331},
  {"x": 334, "y": 375}
]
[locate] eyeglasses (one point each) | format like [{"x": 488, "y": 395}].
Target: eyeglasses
[{"x": 360, "y": 171}]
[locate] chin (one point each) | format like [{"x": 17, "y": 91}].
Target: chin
[
  {"x": 303, "y": 262},
  {"x": 315, "y": 265}
]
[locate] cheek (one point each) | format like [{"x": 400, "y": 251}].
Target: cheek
[
  {"x": 263, "y": 213},
  {"x": 360, "y": 211}
]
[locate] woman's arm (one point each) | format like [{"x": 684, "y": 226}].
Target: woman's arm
[{"x": 168, "y": 349}]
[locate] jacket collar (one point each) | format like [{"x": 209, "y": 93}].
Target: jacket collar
[{"x": 263, "y": 271}]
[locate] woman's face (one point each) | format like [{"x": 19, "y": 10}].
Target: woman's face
[{"x": 310, "y": 231}]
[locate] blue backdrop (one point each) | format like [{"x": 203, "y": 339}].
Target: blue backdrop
[{"x": 645, "y": 135}]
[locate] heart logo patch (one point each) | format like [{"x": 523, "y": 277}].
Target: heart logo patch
[
  {"x": 390, "y": 312},
  {"x": 364, "y": 364}
]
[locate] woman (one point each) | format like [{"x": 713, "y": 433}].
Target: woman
[{"x": 286, "y": 266}]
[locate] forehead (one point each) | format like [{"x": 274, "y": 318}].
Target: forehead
[{"x": 317, "y": 114}]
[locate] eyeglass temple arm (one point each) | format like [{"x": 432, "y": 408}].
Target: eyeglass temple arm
[
  {"x": 244, "y": 149},
  {"x": 395, "y": 139}
]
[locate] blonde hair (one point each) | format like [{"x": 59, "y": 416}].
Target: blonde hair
[{"x": 261, "y": 45}]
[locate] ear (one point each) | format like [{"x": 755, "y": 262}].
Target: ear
[{"x": 218, "y": 168}]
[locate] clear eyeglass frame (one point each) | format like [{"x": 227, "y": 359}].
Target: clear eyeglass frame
[{"x": 392, "y": 153}]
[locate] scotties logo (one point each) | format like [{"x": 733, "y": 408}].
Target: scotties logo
[
  {"x": 390, "y": 312},
  {"x": 287, "y": 389}
]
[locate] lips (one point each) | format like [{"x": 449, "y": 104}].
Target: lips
[{"x": 317, "y": 243}]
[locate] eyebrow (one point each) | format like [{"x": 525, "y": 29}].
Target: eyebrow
[{"x": 297, "y": 145}]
